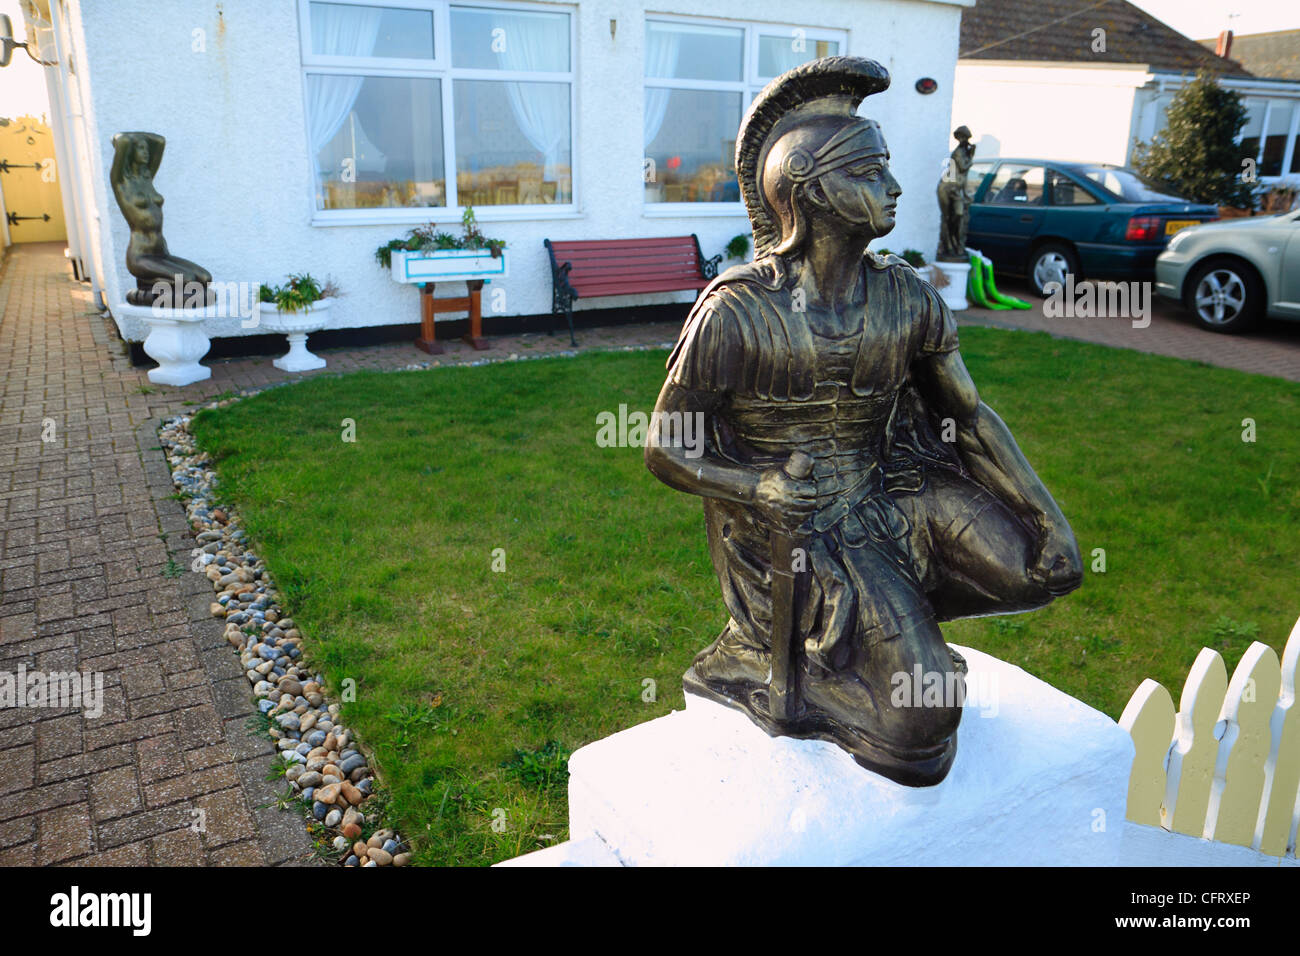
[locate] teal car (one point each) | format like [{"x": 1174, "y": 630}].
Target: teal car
[{"x": 1046, "y": 219}]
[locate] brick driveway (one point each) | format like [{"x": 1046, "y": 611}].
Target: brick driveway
[
  {"x": 1272, "y": 349},
  {"x": 87, "y": 527}
]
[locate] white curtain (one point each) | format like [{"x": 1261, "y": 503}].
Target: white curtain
[
  {"x": 780, "y": 55},
  {"x": 336, "y": 30},
  {"x": 662, "y": 50},
  {"x": 540, "y": 109}
]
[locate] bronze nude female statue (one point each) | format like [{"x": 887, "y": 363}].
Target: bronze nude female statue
[
  {"x": 136, "y": 157},
  {"x": 954, "y": 200},
  {"x": 842, "y": 529}
]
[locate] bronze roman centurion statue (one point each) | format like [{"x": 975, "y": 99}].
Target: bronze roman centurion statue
[
  {"x": 136, "y": 157},
  {"x": 842, "y": 528}
]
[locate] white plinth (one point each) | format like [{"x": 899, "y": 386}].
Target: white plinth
[
  {"x": 954, "y": 293},
  {"x": 1040, "y": 779},
  {"x": 176, "y": 341}
]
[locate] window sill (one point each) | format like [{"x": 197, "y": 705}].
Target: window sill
[
  {"x": 691, "y": 210},
  {"x": 442, "y": 214}
]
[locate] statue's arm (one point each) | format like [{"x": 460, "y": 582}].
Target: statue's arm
[
  {"x": 706, "y": 473},
  {"x": 156, "y": 146},
  {"x": 993, "y": 459},
  {"x": 121, "y": 146},
  {"x": 702, "y": 471}
]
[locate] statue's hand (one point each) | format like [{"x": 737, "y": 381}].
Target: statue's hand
[
  {"x": 1058, "y": 568},
  {"x": 786, "y": 502}
]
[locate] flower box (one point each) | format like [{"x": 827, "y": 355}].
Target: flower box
[{"x": 448, "y": 265}]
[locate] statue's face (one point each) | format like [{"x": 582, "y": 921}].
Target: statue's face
[
  {"x": 141, "y": 153},
  {"x": 865, "y": 193}
]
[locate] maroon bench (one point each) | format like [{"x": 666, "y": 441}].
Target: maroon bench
[{"x": 587, "y": 268}]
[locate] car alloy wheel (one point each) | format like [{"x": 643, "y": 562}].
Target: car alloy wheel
[
  {"x": 1220, "y": 296},
  {"x": 1052, "y": 263}
]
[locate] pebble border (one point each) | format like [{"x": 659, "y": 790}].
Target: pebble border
[{"x": 326, "y": 770}]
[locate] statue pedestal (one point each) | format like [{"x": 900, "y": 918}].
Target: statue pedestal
[
  {"x": 1040, "y": 779},
  {"x": 176, "y": 341},
  {"x": 954, "y": 293}
]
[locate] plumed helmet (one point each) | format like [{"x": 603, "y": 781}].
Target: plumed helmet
[{"x": 797, "y": 128}]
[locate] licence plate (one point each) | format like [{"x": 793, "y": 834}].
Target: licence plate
[{"x": 1173, "y": 225}]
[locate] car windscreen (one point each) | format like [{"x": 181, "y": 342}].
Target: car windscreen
[{"x": 1127, "y": 184}]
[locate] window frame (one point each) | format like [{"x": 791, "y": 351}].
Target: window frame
[
  {"x": 748, "y": 86},
  {"x": 440, "y": 68}
]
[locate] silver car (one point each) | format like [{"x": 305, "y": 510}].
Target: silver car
[{"x": 1229, "y": 273}]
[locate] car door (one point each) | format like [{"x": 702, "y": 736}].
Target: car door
[
  {"x": 1288, "y": 300},
  {"x": 1076, "y": 215},
  {"x": 1010, "y": 214}
]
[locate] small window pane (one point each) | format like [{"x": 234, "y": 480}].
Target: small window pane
[
  {"x": 1279, "y": 128},
  {"x": 1250, "y": 133},
  {"x": 777, "y": 54},
  {"x": 377, "y": 141},
  {"x": 512, "y": 143},
  {"x": 975, "y": 175},
  {"x": 694, "y": 52},
  {"x": 1066, "y": 192},
  {"x": 517, "y": 40},
  {"x": 1017, "y": 185},
  {"x": 691, "y": 139},
  {"x": 344, "y": 29}
]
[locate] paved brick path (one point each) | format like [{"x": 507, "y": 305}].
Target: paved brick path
[
  {"x": 87, "y": 527},
  {"x": 1272, "y": 349}
]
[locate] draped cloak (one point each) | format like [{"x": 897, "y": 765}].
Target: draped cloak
[{"x": 871, "y": 561}]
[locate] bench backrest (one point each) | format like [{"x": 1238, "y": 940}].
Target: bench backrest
[{"x": 662, "y": 261}]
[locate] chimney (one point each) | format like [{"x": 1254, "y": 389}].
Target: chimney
[{"x": 1223, "y": 47}]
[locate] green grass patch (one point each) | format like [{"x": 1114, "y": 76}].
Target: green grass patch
[{"x": 474, "y": 685}]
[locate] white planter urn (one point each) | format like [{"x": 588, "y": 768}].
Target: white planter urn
[
  {"x": 176, "y": 341},
  {"x": 954, "y": 293},
  {"x": 297, "y": 326}
]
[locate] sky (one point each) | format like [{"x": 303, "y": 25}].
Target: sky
[
  {"x": 1201, "y": 19},
  {"x": 22, "y": 86}
]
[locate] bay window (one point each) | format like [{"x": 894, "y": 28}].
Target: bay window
[
  {"x": 419, "y": 104},
  {"x": 700, "y": 76}
]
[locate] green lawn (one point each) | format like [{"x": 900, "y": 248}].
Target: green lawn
[{"x": 474, "y": 684}]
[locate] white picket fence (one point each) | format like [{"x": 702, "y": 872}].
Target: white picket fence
[{"x": 1226, "y": 766}]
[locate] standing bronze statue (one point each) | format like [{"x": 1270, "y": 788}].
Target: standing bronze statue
[
  {"x": 136, "y": 157},
  {"x": 954, "y": 200},
  {"x": 842, "y": 529}
]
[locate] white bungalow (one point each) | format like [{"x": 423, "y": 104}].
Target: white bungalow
[{"x": 302, "y": 134}]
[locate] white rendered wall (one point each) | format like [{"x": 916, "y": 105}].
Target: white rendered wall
[
  {"x": 1037, "y": 111},
  {"x": 237, "y": 179}
]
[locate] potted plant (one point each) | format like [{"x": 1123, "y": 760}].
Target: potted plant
[
  {"x": 296, "y": 309},
  {"x": 428, "y": 254},
  {"x": 913, "y": 257},
  {"x": 738, "y": 247}
]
